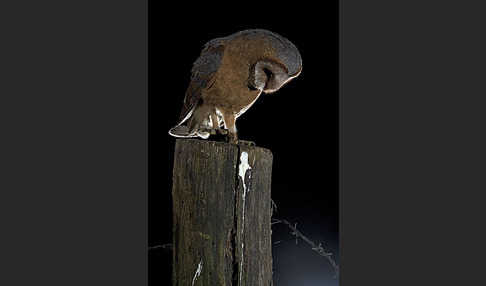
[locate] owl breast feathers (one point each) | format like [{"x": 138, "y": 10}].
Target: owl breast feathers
[{"x": 229, "y": 76}]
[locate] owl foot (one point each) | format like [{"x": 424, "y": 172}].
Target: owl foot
[
  {"x": 210, "y": 131},
  {"x": 216, "y": 131},
  {"x": 236, "y": 141},
  {"x": 221, "y": 131},
  {"x": 247, "y": 143},
  {"x": 232, "y": 138}
]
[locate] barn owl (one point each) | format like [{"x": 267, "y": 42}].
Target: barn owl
[{"x": 229, "y": 76}]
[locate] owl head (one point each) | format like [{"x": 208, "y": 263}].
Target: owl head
[{"x": 270, "y": 74}]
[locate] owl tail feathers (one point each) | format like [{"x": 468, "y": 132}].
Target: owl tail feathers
[{"x": 181, "y": 131}]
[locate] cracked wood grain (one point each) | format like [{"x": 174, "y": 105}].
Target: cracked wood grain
[{"x": 221, "y": 214}]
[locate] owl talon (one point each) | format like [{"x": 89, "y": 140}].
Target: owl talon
[
  {"x": 247, "y": 143},
  {"x": 209, "y": 131},
  {"x": 221, "y": 131},
  {"x": 232, "y": 138}
]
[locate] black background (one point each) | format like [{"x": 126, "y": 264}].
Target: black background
[{"x": 299, "y": 124}]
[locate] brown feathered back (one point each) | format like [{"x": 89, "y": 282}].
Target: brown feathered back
[{"x": 203, "y": 71}]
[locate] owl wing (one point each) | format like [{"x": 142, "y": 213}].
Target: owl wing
[{"x": 202, "y": 76}]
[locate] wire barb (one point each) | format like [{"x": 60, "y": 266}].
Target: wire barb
[
  {"x": 167, "y": 246},
  {"x": 317, "y": 248}
]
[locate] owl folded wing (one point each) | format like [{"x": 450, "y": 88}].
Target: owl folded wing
[{"x": 202, "y": 76}]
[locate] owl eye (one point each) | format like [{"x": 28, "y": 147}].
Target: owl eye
[{"x": 268, "y": 73}]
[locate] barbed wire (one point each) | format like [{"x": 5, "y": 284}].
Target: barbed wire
[{"x": 316, "y": 247}]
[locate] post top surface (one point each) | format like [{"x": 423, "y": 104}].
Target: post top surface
[{"x": 222, "y": 144}]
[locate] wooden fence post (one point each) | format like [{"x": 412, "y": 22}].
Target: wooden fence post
[{"x": 222, "y": 214}]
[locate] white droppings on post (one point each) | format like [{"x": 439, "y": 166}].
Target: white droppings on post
[
  {"x": 242, "y": 259},
  {"x": 242, "y": 169},
  {"x": 198, "y": 272}
]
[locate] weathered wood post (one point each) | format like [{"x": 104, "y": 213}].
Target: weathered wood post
[{"x": 222, "y": 214}]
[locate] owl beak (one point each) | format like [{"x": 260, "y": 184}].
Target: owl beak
[
  {"x": 297, "y": 73},
  {"x": 284, "y": 83}
]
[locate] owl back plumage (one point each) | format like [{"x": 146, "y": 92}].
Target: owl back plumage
[{"x": 202, "y": 73}]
